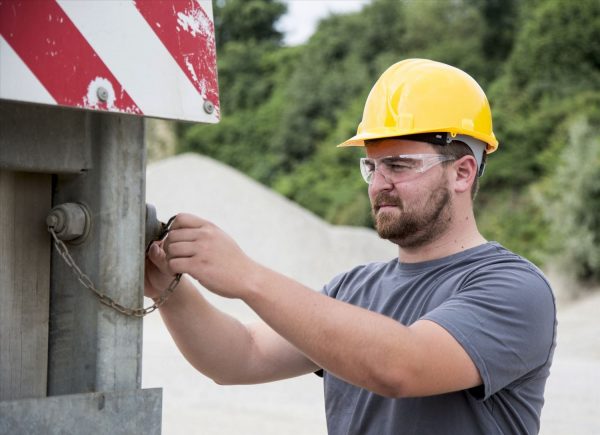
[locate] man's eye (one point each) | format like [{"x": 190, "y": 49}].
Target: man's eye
[{"x": 400, "y": 166}]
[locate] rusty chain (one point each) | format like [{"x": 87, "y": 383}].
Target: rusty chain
[{"x": 102, "y": 296}]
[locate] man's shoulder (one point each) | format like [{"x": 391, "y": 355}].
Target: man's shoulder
[
  {"x": 502, "y": 260},
  {"x": 366, "y": 271},
  {"x": 504, "y": 277}
]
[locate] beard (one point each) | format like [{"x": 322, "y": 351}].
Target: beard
[{"x": 413, "y": 226}]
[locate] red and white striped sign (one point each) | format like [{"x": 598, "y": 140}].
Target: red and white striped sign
[{"x": 147, "y": 57}]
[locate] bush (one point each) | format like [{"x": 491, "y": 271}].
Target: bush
[{"x": 571, "y": 201}]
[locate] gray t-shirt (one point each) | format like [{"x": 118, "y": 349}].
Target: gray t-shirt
[{"x": 497, "y": 305}]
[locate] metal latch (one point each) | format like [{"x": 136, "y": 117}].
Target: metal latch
[{"x": 70, "y": 221}]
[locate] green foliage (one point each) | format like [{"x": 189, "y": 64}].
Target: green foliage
[
  {"x": 570, "y": 197},
  {"x": 551, "y": 76},
  {"x": 285, "y": 108},
  {"x": 447, "y": 31},
  {"x": 253, "y": 69},
  {"x": 241, "y": 64},
  {"x": 557, "y": 53},
  {"x": 500, "y": 20},
  {"x": 247, "y": 20},
  {"x": 556, "y": 57},
  {"x": 514, "y": 219},
  {"x": 310, "y": 184}
]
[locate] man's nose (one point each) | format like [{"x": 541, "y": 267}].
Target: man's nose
[{"x": 380, "y": 181}]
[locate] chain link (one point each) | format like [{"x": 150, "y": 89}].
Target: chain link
[{"x": 102, "y": 296}]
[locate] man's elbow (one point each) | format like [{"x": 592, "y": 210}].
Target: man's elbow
[
  {"x": 223, "y": 382},
  {"x": 392, "y": 391},
  {"x": 228, "y": 380},
  {"x": 390, "y": 385},
  {"x": 220, "y": 377}
]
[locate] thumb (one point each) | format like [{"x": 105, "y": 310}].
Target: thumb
[{"x": 158, "y": 256}]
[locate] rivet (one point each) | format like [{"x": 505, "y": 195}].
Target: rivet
[
  {"x": 102, "y": 94},
  {"x": 209, "y": 107}
]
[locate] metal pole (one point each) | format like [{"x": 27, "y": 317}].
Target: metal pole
[
  {"x": 93, "y": 348},
  {"x": 24, "y": 284},
  {"x": 93, "y": 365}
]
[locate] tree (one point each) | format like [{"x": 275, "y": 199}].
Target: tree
[
  {"x": 247, "y": 20},
  {"x": 285, "y": 108},
  {"x": 555, "y": 59},
  {"x": 250, "y": 60},
  {"x": 570, "y": 197},
  {"x": 551, "y": 77}
]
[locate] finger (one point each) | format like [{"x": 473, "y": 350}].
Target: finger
[
  {"x": 188, "y": 235},
  {"x": 186, "y": 220},
  {"x": 156, "y": 253},
  {"x": 158, "y": 257},
  {"x": 181, "y": 249},
  {"x": 180, "y": 264},
  {"x": 182, "y": 235}
]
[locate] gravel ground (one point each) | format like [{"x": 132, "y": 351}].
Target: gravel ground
[
  {"x": 573, "y": 389},
  {"x": 282, "y": 235}
]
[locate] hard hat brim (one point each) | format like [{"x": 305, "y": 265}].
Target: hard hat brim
[{"x": 359, "y": 139}]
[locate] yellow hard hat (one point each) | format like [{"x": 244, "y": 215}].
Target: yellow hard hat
[{"x": 423, "y": 96}]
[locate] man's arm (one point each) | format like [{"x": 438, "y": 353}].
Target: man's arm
[
  {"x": 362, "y": 347},
  {"x": 217, "y": 344}
]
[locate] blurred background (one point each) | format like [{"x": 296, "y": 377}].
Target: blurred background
[
  {"x": 285, "y": 105},
  {"x": 290, "y": 94}
]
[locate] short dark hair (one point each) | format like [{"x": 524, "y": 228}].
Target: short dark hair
[{"x": 457, "y": 150}]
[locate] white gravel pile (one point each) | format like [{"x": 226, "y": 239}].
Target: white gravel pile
[{"x": 291, "y": 240}]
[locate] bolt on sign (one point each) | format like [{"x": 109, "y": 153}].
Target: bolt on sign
[{"x": 152, "y": 58}]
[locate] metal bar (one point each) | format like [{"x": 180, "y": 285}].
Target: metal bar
[
  {"x": 46, "y": 139},
  {"x": 115, "y": 413},
  {"x": 24, "y": 284},
  {"x": 92, "y": 347}
]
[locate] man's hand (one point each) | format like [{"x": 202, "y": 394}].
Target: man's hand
[{"x": 201, "y": 249}]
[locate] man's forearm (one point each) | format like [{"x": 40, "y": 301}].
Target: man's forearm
[
  {"x": 223, "y": 348},
  {"x": 354, "y": 344},
  {"x": 215, "y": 343},
  {"x": 362, "y": 347}
]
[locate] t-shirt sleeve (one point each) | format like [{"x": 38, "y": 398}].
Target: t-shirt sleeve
[
  {"x": 332, "y": 288},
  {"x": 504, "y": 318}
]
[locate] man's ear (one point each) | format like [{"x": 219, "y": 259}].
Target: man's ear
[{"x": 465, "y": 173}]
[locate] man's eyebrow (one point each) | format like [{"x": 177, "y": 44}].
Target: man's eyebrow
[{"x": 396, "y": 158}]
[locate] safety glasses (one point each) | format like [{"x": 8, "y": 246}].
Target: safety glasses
[{"x": 396, "y": 169}]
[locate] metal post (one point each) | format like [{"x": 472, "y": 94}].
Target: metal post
[
  {"x": 24, "y": 284},
  {"x": 93, "y": 348},
  {"x": 89, "y": 357}
]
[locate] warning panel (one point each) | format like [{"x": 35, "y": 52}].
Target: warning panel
[{"x": 153, "y": 58}]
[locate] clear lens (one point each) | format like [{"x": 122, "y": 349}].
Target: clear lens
[
  {"x": 396, "y": 169},
  {"x": 367, "y": 168}
]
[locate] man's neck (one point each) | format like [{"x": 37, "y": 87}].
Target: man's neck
[{"x": 458, "y": 238}]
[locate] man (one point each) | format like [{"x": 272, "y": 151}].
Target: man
[{"x": 454, "y": 336}]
